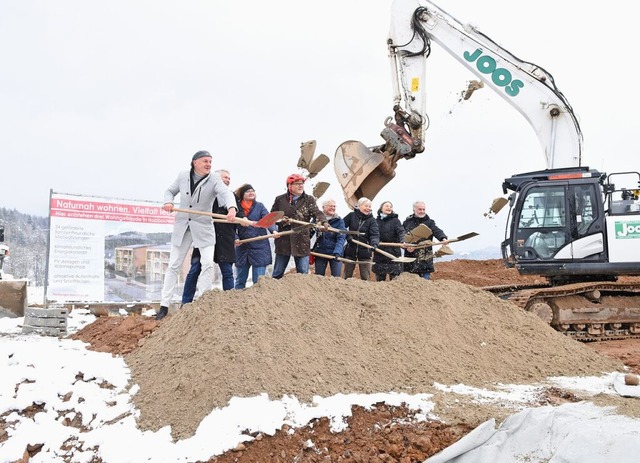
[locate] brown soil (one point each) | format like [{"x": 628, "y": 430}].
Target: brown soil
[{"x": 306, "y": 335}]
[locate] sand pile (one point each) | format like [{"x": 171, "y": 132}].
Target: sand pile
[{"x": 306, "y": 335}]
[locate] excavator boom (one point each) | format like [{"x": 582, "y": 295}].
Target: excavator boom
[{"x": 531, "y": 90}]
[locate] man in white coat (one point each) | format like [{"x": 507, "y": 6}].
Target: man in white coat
[{"x": 198, "y": 188}]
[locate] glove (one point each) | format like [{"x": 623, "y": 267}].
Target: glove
[
  {"x": 349, "y": 238},
  {"x": 375, "y": 246},
  {"x": 337, "y": 256}
]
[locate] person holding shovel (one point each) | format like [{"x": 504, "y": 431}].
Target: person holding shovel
[
  {"x": 391, "y": 231},
  {"x": 299, "y": 206},
  {"x": 423, "y": 265},
  {"x": 330, "y": 243},
  {"x": 254, "y": 255},
  {"x": 198, "y": 190},
  {"x": 224, "y": 253},
  {"x": 361, "y": 220}
]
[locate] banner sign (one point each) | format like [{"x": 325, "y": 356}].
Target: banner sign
[{"x": 106, "y": 250}]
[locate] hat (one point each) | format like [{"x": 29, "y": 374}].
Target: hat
[
  {"x": 242, "y": 190},
  {"x": 293, "y": 178},
  {"x": 200, "y": 154}
]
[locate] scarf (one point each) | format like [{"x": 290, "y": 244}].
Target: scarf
[{"x": 246, "y": 206}]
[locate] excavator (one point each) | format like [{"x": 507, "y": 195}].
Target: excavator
[{"x": 575, "y": 226}]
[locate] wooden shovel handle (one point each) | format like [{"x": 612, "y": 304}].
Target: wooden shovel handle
[
  {"x": 212, "y": 214},
  {"x": 340, "y": 259},
  {"x": 264, "y": 237},
  {"x": 320, "y": 227}
]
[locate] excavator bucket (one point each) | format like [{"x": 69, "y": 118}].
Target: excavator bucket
[
  {"x": 13, "y": 298},
  {"x": 360, "y": 171}
]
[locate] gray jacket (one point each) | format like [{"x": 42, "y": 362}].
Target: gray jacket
[{"x": 201, "y": 226}]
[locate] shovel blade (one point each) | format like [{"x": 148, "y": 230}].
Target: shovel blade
[
  {"x": 307, "y": 149},
  {"x": 320, "y": 188},
  {"x": 421, "y": 232},
  {"x": 498, "y": 204},
  {"x": 317, "y": 165},
  {"x": 465, "y": 236},
  {"x": 270, "y": 219}
]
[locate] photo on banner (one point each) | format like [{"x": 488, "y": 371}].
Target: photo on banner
[{"x": 105, "y": 249}]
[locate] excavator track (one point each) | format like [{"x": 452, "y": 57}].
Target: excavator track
[{"x": 595, "y": 311}]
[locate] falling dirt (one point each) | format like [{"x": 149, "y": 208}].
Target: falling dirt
[{"x": 306, "y": 335}]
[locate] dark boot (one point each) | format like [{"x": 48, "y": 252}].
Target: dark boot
[{"x": 163, "y": 312}]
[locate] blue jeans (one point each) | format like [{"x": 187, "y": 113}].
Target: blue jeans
[
  {"x": 280, "y": 265},
  {"x": 426, "y": 275},
  {"x": 226, "y": 268},
  {"x": 191, "y": 281},
  {"x": 321, "y": 266},
  {"x": 242, "y": 273}
]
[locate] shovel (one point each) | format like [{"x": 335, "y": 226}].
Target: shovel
[
  {"x": 384, "y": 253},
  {"x": 424, "y": 244},
  {"x": 265, "y": 222},
  {"x": 329, "y": 256},
  {"x": 466, "y": 236},
  {"x": 341, "y": 259}
]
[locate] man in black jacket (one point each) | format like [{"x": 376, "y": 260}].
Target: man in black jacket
[{"x": 423, "y": 265}]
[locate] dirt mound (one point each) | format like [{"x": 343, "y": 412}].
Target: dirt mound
[
  {"x": 117, "y": 335},
  {"x": 306, "y": 335},
  {"x": 482, "y": 273}
]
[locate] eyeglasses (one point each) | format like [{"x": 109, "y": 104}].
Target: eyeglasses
[{"x": 298, "y": 183}]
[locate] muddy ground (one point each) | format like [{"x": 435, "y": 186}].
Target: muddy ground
[{"x": 382, "y": 434}]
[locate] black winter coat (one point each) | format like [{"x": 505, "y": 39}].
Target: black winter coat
[
  {"x": 424, "y": 256},
  {"x": 225, "y": 247},
  {"x": 357, "y": 221},
  {"x": 391, "y": 231}
]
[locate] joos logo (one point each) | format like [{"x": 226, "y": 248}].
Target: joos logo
[
  {"x": 627, "y": 230},
  {"x": 500, "y": 76}
]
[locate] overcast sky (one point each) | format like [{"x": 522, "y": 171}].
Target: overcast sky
[{"x": 113, "y": 98}]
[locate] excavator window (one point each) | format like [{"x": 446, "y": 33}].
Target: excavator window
[
  {"x": 584, "y": 200},
  {"x": 541, "y": 224}
]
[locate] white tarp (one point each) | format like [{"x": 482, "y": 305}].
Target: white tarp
[{"x": 577, "y": 432}]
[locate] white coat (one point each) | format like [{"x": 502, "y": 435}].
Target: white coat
[{"x": 201, "y": 226}]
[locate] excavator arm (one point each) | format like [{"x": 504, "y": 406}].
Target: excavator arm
[{"x": 415, "y": 24}]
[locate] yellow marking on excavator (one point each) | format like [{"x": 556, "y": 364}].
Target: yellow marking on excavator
[{"x": 415, "y": 84}]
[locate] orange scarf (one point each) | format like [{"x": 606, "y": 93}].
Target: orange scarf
[{"x": 246, "y": 206}]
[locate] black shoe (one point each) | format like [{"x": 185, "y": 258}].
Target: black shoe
[{"x": 163, "y": 312}]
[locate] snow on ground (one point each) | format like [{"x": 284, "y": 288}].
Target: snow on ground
[{"x": 80, "y": 401}]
